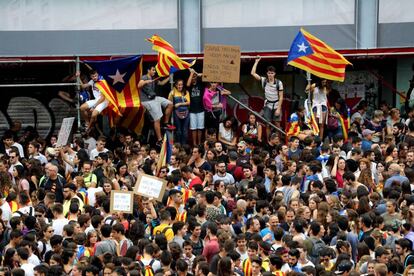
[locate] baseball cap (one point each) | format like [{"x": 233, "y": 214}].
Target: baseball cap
[
  {"x": 51, "y": 151},
  {"x": 366, "y": 132},
  {"x": 344, "y": 266}
]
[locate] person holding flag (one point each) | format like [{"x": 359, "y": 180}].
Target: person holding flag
[
  {"x": 295, "y": 127},
  {"x": 319, "y": 102},
  {"x": 95, "y": 106},
  {"x": 154, "y": 104}
]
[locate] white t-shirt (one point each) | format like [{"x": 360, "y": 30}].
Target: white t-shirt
[
  {"x": 41, "y": 158},
  {"x": 28, "y": 269},
  {"x": 96, "y": 93},
  {"x": 58, "y": 225},
  {"x": 227, "y": 179},
  {"x": 34, "y": 260},
  {"x": 94, "y": 153},
  {"x": 90, "y": 144},
  {"x": 156, "y": 265},
  {"x": 26, "y": 210},
  {"x": 6, "y": 211},
  {"x": 91, "y": 195},
  {"x": 225, "y": 134},
  {"x": 19, "y": 147},
  {"x": 271, "y": 93}
]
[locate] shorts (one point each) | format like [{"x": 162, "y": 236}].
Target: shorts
[
  {"x": 155, "y": 106},
  {"x": 100, "y": 106},
  {"x": 269, "y": 114},
  {"x": 197, "y": 120},
  {"x": 324, "y": 109}
]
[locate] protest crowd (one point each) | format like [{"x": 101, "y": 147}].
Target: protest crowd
[{"x": 331, "y": 197}]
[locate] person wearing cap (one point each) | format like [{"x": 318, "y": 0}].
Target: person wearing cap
[
  {"x": 344, "y": 268},
  {"x": 367, "y": 139},
  {"x": 396, "y": 176},
  {"x": 69, "y": 193}
]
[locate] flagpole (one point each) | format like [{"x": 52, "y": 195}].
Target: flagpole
[
  {"x": 172, "y": 113},
  {"x": 78, "y": 86}
]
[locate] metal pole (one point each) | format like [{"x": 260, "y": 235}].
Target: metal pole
[
  {"x": 37, "y": 84},
  {"x": 78, "y": 87},
  {"x": 38, "y": 61},
  {"x": 256, "y": 114},
  {"x": 172, "y": 113}
]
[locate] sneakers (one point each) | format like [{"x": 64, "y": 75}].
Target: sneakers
[
  {"x": 159, "y": 143},
  {"x": 168, "y": 126}
]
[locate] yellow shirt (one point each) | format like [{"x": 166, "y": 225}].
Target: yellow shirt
[
  {"x": 161, "y": 229},
  {"x": 66, "y": 205}
]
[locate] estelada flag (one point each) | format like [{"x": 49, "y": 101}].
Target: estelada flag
[
  {"x": 168, "y": 60},
  {"x": 311, "y": 54},
  {"x": 119, "y": 85},
  {"x": 165, "y": 153}
]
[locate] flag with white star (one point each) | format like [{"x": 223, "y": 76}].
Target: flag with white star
[
  {"x": 120, "y": 87},
  {"x": 311, "y": 54}
]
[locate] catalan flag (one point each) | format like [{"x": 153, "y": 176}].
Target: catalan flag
[
  {"x": 166, "y": 151},
  {"x": 168, "y": 60},
  {"x": 311, "y": 54},
  {"x": 119, "y": 86}
]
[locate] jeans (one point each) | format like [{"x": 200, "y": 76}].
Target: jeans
[{"x": 181, "y": 132}]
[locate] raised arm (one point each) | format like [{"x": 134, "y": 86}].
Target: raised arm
[
  {"x": 164, "y": 81},
  {"x": 335, "y": 167},
  {"x": 253, "y": 72}
]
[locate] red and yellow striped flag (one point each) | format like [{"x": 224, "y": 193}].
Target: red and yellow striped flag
[
  {"x": 168, "y": 60},
  {"x": 311, "y": 54},
  {"x": 119, "y": 85}
]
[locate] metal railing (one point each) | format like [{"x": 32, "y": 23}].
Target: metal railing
[{"x": 257, "y": 114}]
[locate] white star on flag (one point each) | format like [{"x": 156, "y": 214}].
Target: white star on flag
[
  {"x": 302, "y": 47},
  {"x": 118, "y": 77}
]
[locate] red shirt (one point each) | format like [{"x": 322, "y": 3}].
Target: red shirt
[
  {"x": 211, "y": 248},
  {"x": 195, "y": 181}
]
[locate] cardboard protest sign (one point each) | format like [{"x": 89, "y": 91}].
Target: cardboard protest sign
[
  {"x": 64, "y": 132},
  {"x": 122, "y": 201},
  {"x": 150, "y": 186},
  {"x": 221, "y": 63}
]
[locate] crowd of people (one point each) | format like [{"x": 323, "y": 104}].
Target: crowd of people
[{"x": 332, "y": 197}]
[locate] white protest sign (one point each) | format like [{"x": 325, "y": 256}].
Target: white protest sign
[
  {"x": 122, "y": 201},
  {"x": 64, "y": 132},
  {"x": 150, "y": 186}
]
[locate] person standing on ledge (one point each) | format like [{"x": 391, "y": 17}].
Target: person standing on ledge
[
  {"x": 154, "y": 104},
  {"x": 273, "y": 89}
]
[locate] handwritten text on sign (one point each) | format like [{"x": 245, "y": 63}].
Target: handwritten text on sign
[
  {"x": 150, "y": 186},
  {"x": 64, "y": 131},
  {"x": 121, "y": 201},
  {"x": 221, "y": 63}
]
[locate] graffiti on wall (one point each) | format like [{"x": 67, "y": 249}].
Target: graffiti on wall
[{"x": 45, "y": 115}]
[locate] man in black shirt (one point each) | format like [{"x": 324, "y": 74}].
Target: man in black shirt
[{"x": 196, "y": 106}]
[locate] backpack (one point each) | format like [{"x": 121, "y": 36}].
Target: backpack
[
  {"x": 146, "y": 270},
  {"x": 264, "y": 82},
  {"x": 317, "y": 246},
  {"x": 42, "y": 254},
  {"x": 110, "y": 221},
  {"x": 163, "y": 231}
]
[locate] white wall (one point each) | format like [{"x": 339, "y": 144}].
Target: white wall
[{"x": 48, "y": 15}]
